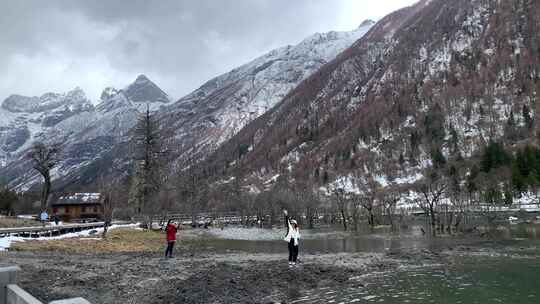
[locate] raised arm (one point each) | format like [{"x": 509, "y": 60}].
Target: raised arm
[{"x": 287, "y": 222}]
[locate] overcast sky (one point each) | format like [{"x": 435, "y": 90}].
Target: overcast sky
[{"x": 56, "y": 45}]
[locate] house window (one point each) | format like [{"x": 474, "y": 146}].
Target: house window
[{"x": 83, "y": 209}]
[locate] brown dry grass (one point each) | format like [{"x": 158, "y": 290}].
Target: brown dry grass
[
  {"x": 10, "y": 222},
  {"x": 118, "y": 240}
]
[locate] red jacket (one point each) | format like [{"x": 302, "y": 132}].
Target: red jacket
[{"x": 171, "y": 232}]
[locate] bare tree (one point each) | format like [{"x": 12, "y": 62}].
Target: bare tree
[
  {"x": 44, "y": 158},
  {"x": 193, "y": 191},
  {"x": 304, "y": 185},
  {"x": 389, "y": 198},
  {"x": 432, "y": 190},
  {"x": 356, "y": 207},
  {"x": 341, "y": 201},
  {"x": 109, "y": 201},
  {"x": 491, "y": 192},
  {"x": 367, "y": 199}
]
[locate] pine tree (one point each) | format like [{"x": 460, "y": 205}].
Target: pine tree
[
  {"x": 508, "y": 197},
  {"x": 527, "y": 116},
  {"x": 147, "y": 158},
  {"x": 401, "y": 159},
  {"x": 510, "y": 130},
  {"x": 511, "y": 120},
  {"x": 471, "y": 183},
  {"x": 438, "y": 159},
  {"x": 518, "y": 181},
  {"x": 494, "y": 157}
]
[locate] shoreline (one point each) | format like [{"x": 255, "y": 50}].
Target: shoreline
[
  {"x": 129, "y": 267},
  {"x": 207, "y": 277}
]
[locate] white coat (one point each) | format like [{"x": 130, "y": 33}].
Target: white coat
[{"x": 292, "y": 234}]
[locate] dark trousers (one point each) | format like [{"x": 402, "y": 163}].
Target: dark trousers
[
  {"x": 168, "y": 251},
  {"x": 293, "y": 251}
]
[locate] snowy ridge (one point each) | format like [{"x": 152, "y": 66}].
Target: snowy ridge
[
  {"x": 428, "y": 85},
  {"x": 224, "y": 105},
  {"x": 86, "y": 132},
  {"x": 200, "y": 122}
]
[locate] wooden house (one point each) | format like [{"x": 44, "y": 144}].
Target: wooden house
[{"x": 78, "y": 207}]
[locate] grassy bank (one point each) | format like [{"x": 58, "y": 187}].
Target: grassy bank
[
  {"x": 117, "y": 240},
  {"x": 11, "y": 222}
]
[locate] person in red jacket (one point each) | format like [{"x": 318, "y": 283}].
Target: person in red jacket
[{"x": 170, "y": 230}]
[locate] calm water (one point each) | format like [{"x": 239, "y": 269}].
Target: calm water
[
  {"x": 332, "y": 241},
  {"x": 472, "y": 280},
  {"x": 507, "y": 270}
]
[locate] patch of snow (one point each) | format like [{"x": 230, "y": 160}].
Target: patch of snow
[{"x": 5, "y": 242}]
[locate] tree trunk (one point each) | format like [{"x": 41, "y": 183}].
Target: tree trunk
[
  {"x": 433, "y": 220},
  {"x": 344, "y": 219},
  {"x": 371, "y": 218},
  {"x": 390, "y": 218},
  {"x": 105, "y": 228},
  {"x": 355, "y": 217},
  {"x": 45, "y": 192},
  {"x": 309, "y": 215}
]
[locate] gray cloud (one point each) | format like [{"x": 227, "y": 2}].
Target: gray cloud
[{"x": 57, "y": 45}]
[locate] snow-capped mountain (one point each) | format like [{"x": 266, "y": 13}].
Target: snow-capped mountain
[
  {"x": 26, "y": 119},
  {"x": 86, "y": 132},
  {"x": 94, "y": 142},
  {"x": 428, "y": 84},
  {"x": 220, "y": 108}
]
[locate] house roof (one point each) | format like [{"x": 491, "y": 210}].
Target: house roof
[{"x": 78, "y": 199}]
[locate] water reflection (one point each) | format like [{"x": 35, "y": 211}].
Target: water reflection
[
  {"x": 333, "y": 241},
  {"x": 469, "y": 281}
]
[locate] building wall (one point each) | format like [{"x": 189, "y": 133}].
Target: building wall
[{"x": 74, "y": 212}]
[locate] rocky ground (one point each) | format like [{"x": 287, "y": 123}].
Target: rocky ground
[
  {"x": 203, "y": 277},
  {"x": 129, "y": 267}
]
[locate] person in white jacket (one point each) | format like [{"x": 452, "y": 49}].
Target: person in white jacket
[{"x": 292, "y": 238}]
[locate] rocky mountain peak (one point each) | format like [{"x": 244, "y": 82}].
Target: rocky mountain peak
[
  {"x": 142, "y": 79},
  {"x": 144, "y": 90},
  {"x": 366, "y": 23},
  {"x": 46, "y": 102},
  {"x": 107, "y": 93}
]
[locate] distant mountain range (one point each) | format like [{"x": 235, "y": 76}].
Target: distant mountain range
[
  {"x": 94, "y": 137},
  {"x": 427, "y": 84},
  {"x": 86, "y": 132}
]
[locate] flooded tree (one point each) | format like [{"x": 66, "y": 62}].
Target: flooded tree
[
  {"x": 341, "y": 199},
  {"x": 367, "y": 198},
  {"x": 389, "y": 199},
  {"x": 432, "y": 190}
]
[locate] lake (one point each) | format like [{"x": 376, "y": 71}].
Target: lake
[{"x": 504, "y": 268}]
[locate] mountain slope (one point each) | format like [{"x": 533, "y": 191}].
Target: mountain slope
[
  {"x": 26, "y": 119},
  {"x": 437, "y": 78},
  {"x": 221, "y": 107},
  {"x": 86, "y": 133},
  {"x": 95, "y": 142}
]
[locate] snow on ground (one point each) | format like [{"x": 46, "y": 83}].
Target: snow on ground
[
  {"x": 528, "y": 200},
  {"x": 5, "y": 242}
]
